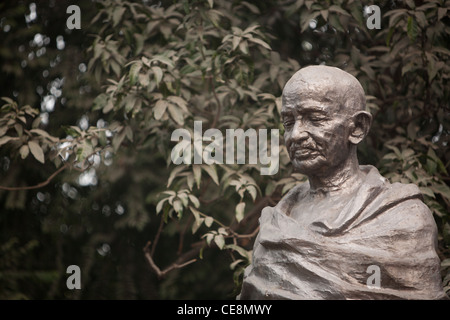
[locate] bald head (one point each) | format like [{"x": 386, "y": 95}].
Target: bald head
[
  {"x": 323, "y": 113},
  {"x": 329, "y": 84}
]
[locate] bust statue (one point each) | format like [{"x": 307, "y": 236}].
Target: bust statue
[{"x": 331, "y": 237}]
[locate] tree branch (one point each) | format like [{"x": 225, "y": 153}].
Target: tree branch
[
  {"x": 158, "y": 233},
  {"x": 162, "y": 273},
  {"x": 187, "y": 258},
  {"x": 39, "y": 185},
  {"x": 49, "y": 179}
]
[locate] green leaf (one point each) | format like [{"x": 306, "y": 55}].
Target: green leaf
[
  {"x": 118, "y": 139},
  {"x": 3, "y": 130},
  {"x": 176, "y": 114},
  {"x": 178, "y": 207},
  {"x": 197, "y": 174},
  {"x": 194, "y": 200},
  {"x": 8, "y": 100},
  {"x": 389, "y": 36},
  {"x": 306, "y": 17},
  {"x": 338, "y": 9},
  {"x": 197, "y": 224},
  {"x": 428, "y": 192},
  {"x": 421, "y": 19},
  {"x": 130, "y": 102},
  {"x": 357, "y": 12},
  {"x": 254, "y": 9},
  {"x": 396, "y": 150},
  {"x": 433, "y": 162},
  {"x": 174, "y": 173},
  {"x": 235, "y": 263},
  {"x": 209, "y": 221},
  {"x": 44, "y": 134},
  {"x": 179, "y": 101},
  {"x": 239, "y": 213},
  {"x": 260, "y": 42},
  {"x": 445, "y": 263},
  {"x": 442, "y": 13},
  {"x": 116, "y": 67},
  {"x": 211, "y": 170},
  {"x": 410, "y": 3},
  {"x": 163, "y": 59},
  {"x": 134, "y": 72},
  {"x": 6, "y": 139},
  {"x": 243, "y": 46},
  {"x": 244, "y": 253},
  {"x": 253, "y": 192},
  {"x": 209, "y": 238},
  {"x": 335, "y": 23},
  {"x": 36, "y": 151},
  {"x": 108, "y": 107},
  {"x": 160, "y": 108},
  {"x": 407, "y": 153},
  {"x": 412, "y": 29},
  {"x": 190, "y": 181},
  {"x": 160, "y": 204},
  {"x": 197, "y": 214},
  {"x": 19, "y": 129},
  {"x": 117, "y": 15},
  {"x": 129, "y": 133},
  {"x": 442, "y": 189},
  {"x": 24, "y": 151},
  {"x": 431, "y": 68},
  {"x": 158, "y": 74},
  {"x": 220, "y": 241}
]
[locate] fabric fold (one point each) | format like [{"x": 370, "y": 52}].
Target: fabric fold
[{"x": 383, "y": 225}]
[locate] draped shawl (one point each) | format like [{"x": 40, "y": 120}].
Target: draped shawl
[{"x": 382, "y": 224}]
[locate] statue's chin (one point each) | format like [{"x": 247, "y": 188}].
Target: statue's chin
[{"x": 308, "y": 166}]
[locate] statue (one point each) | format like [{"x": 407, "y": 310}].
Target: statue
[{"x": 347, "y": 233}]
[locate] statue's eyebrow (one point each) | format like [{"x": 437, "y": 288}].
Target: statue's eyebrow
[
  {"x": 305, "y": 109},
  {"x": 285, "y": 113},
  {"x": 312, "y": 108}
]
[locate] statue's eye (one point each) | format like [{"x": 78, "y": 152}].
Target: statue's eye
[
  {"x": 316, "y": 118},
  {"x": 288, "y": 123}
]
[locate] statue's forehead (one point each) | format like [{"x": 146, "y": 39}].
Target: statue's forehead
[{"x": 322, "y": 93}]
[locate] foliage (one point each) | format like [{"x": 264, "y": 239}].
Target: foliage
[{"x": 153, "y": 69}]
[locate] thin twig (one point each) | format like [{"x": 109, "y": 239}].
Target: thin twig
[
  {"x": 54, "y": 174},
  {"x": 39, "y": 185},
  {"x": 249, "y": 235},
  {"x": 186, "y": 258},
  {"x": 158, "y": 233},
  {"x": 161, "y": 273}
]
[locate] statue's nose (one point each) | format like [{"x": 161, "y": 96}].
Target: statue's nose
[{"x": 299, "y": 133}]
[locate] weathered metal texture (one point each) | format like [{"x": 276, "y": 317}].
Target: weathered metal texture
[{"x": 331, "y": 237}]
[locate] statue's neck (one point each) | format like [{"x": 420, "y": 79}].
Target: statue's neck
[{"x": 346, "y": 177}]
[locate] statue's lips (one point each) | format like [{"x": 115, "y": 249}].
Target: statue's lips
[{"x": 304, "y": 153}]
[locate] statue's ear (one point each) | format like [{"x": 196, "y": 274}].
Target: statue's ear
[{"x": 362, "y": 121}]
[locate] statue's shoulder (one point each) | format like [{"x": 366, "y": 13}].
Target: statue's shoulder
[
  {"x": 403, "y": 201},
  {"x": 394, "y": 190},
  {"x": 411, "y": 206},
  {"x": 295, "y": 195}
]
